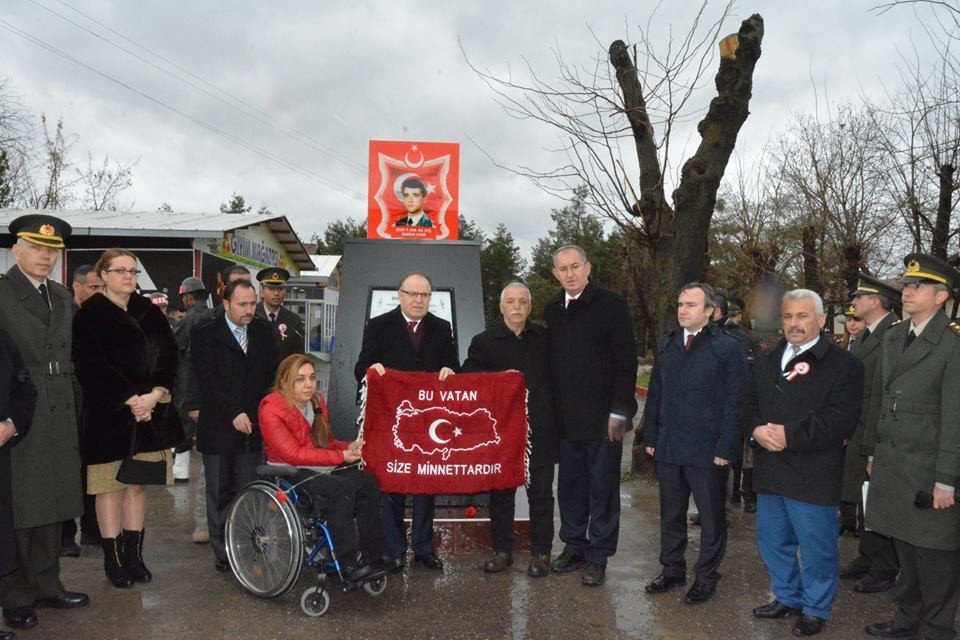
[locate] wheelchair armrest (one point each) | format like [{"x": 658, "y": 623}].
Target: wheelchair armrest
[{"x": 276, "y": 470}]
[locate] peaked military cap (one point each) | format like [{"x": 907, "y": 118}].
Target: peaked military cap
[
  {"x": 850, "y": 311},
  {"x": 922, "y": 267},
  {"x": 868, "y": 285},
  {"x": 42, "y": 229},
  {"x": 274, "y": 277}
]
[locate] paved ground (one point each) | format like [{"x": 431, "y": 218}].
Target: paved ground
[{"x": 189, "y": 599}]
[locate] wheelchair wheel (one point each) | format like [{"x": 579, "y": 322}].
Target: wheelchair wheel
[
  {"x": 315, "y": 602},
  {"x": 377, "y": 586},
  {"x": 264, "y": 540}
]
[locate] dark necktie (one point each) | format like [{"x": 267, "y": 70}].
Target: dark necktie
[
  {"x": 43, "y": 294},
  {"x": 414, "y": 334},
  {"x": 572, "y": 302},
  {"x": 865, "y": 335},
  {"x": 273, "y": 317},
  {"x": 910, "y": 338},
  {"x": 689, "y": 342}
]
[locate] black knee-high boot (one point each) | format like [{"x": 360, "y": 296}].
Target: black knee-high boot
[
  {"x": 113, "y": 564},
  {"x": 133, "y": 556}
]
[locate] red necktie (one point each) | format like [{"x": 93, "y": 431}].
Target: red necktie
[{"x": 689, "y": 342}]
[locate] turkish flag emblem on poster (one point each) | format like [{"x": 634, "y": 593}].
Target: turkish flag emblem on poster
[{"x": 414, "y": 190}]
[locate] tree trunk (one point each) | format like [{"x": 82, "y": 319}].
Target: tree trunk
[
  {"x": 941, "y": 231},
  {"x": 811, "y": 265}
]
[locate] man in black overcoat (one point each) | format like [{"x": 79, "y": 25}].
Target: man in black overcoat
[
  {"x": 593, "y": 375},
  {"x": 692, "y": 429},
  {"x": 18, "y": 399},
  {"x": 803, "y": 402},
  {"x": 235, "y": 360},
  {"x": 409, "y": 338},
  {"x": 516, "y": 344}
]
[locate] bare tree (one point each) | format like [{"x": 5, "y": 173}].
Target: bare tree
[
  {"x": 102, "y": 184},
  {"x": 52, "y": 189},
  {"x": 602, "y": 112},
  {"x": 835, "y": 173}
]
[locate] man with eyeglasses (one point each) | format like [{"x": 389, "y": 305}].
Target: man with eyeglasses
[
  {"x": 409, "y": 338},
  {"x": 37, "y": 313},
  {"x": 593, "y": 373},
  {"x": 912, "y": 439}
]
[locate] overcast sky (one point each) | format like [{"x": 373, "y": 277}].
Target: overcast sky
[{"x": 342, "y": 73}]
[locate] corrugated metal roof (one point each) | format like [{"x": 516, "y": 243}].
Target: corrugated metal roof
[{"x": 172, "y": 224}]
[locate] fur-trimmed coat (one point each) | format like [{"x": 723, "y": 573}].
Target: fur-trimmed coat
[{"x": 119, "y": 354}]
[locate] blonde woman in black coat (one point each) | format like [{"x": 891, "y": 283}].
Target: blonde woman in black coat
[{"x": 126, "y": 361}]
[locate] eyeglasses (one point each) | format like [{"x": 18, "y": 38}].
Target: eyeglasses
[
  {"x": 125, "y": 272},
  {"x": 416, "y": 295}
]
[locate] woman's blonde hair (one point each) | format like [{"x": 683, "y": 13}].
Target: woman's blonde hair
[{"x": 284, "y": 383}]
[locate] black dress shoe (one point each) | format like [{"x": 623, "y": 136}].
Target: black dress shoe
[
  {"x": 593, "y": 575},
  {"x": 356, "y": 574},
  {"x": 20, "y": 618},
  {"x": 568, "y": 561},
  {"x": 67, "y": 600},
  {"x": 663, "y": 583},
  {"x": 750, "y": 507},
  {"x": 498, "y": 563},
  {"x": 870, "y": 584},
  {"x": 808, "y": 626},
  {"x": 391, "y": 564},
  {"x": 890, "y": 630},
  {"x": 855, "y": 570},
  {"x": 8, "y": 635},
  {"x": 430, "y": 562},
  {"x": 699, "y": 593},
  {"x": 221, "y": 565},
  {"x": 775, "y": 609},
  {"x": 69, "y": 549}
]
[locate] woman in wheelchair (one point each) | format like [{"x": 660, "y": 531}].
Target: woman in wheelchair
[{"x": 296, "y": 431}]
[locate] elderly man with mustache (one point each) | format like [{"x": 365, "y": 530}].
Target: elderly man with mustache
[{"x": 803, "y": 402}]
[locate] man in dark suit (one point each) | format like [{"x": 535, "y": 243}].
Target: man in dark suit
[
  {"x": 235, "y": 360},
  {"x": 803, "y": 402},
  {"x": 516, "y": 344},
  {"x": 409, "y": 338},
  {"x": 18, "y": 400},
  {"x": 913, "y": 436},
  {"x": 692, "y": 429},
  {"x": 876, "y": 565},
  {"x": 593, "y": 373},
  {"x": 287, "y": 325},
  {"x": 37, "y": 313}
]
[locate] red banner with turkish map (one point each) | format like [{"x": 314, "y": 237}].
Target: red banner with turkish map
[
  {"x": 467, "y": 434},
  {"x": 414, "y": 191}
]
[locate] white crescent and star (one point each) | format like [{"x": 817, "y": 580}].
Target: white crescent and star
[{"x": 432, "y": 431}]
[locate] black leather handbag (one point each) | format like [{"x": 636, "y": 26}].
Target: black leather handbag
[{"x": 134, "y": 471}]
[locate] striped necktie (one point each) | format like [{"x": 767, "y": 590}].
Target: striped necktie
[{"x": 241, "y": 334}]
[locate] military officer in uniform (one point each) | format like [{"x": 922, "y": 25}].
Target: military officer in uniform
[
  {"x": 876, "y": 564},
  {"x": 36, "y": 312},
  {"x": 287, "y": 325},
  {"x": 913, "y": 439}
]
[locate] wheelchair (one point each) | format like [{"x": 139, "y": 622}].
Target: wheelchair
[{"x": 273, "y": 532}]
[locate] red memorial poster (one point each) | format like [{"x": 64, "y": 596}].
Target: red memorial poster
[
  {"x": 467, "y": 434},
  {"x": 414, "y": 191}
]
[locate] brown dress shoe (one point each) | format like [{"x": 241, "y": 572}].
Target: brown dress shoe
[
  {"x": 498, "y": 562},
  {"x": 539, "y": 566}
]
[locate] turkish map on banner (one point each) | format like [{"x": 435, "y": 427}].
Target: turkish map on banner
[
  {"x": 467, "y": 434},
  {"x": 414, "y": 191}
]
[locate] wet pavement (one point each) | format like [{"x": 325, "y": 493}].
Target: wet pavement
[{"x": 189, "y": 599}]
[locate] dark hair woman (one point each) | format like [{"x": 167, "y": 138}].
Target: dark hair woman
[
  {"x": 296, "y": 431},
  {"x": 126, "y": 361}
]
